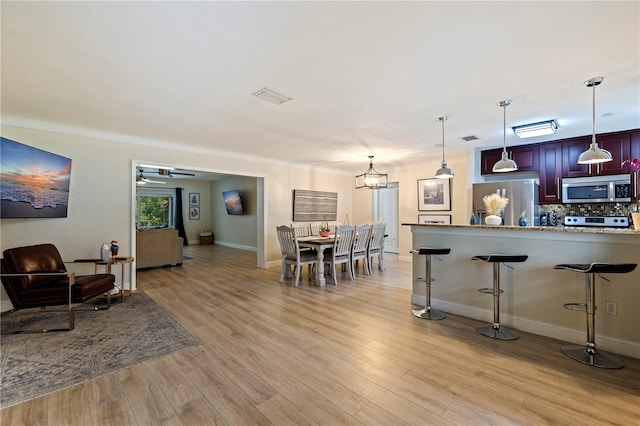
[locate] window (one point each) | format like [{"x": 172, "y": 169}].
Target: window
[{"x": 155, "y": 209}]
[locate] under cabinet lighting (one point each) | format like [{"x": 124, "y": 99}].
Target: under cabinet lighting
[{"x": 542, "y": 128}]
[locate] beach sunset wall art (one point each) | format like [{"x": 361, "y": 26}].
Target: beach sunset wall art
[{"x": 33, "y": 183}]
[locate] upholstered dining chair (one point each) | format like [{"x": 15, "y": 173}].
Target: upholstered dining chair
[
  {"x": 291, "y": 253},
  {"x": 359, "y": 248},
  {"x": 341, "y": 251},
  {"x": 376, "y": 246},
  {"x": 36, "y": 277}
]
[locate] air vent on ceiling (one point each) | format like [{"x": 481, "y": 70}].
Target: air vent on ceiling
[
  {"x": 271, "y": 96},
  {"x": 470, "y": 138}
]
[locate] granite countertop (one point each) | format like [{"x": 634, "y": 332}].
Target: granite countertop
[{"x": 574, "y": 229}]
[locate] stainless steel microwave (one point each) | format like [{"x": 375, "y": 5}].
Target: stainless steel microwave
[{"x": 597, "y": 189}]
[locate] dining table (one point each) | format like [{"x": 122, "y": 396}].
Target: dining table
[{"x": 320, "y": 244}]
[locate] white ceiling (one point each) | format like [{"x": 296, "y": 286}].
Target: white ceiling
[{"x": 367, "y": 78}]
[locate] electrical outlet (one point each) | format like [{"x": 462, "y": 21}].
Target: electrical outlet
[{"x": 610, "y": 308}]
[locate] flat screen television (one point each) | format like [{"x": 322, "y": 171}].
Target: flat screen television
[
  {"x": 33, "y": 183},
  {"x": 233, "y": 202}
]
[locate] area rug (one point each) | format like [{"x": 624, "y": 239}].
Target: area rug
[{"x": 102, "y": 342}]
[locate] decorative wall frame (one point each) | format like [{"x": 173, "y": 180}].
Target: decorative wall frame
[
  {"x": 311, "y": 206},
  {"x": 194, "y": 198},
  {"x": 434, "y": 194},
  {"x": 437, "y": 219},
  {"x": 35, "y": 183},
  {"x": 194, "y": 213}
]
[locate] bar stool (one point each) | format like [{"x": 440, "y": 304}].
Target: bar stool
[
  {"x": 588, "y": 354},
  {"x": 495, "y": 330},
  {"x": 427, "y": 312}
]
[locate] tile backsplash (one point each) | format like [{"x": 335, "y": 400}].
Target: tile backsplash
[{"x": 600, "y": 209}]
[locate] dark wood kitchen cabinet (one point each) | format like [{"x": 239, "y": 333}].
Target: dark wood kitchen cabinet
[
  {"x": 635, "y": 154},
  {"x": 550, "y": 161},
  {"x": 525, "y": 156},
  {"x": 571, "y": 150},
  {"x": 618, "y": 144}
]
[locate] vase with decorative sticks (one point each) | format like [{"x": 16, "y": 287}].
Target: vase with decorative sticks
[{"x": 494, "y": 204}]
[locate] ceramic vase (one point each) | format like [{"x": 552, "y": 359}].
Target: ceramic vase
[{"x": 493, "y": 220}]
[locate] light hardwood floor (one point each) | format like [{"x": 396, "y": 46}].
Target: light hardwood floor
[{"x": 348, "y": 354}]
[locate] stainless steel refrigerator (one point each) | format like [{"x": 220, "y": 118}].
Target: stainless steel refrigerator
[{"x": 523, "y": 196}]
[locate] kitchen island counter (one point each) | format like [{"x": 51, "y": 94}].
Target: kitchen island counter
[
  {"x": 534, "y": 292},
  {"x": 580, "y": 229}
]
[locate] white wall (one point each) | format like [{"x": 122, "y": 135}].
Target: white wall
[
  {"x": 408, "y": 196},
  {"x": 235, "y": 231},
  {"x": 102, "y": 189}
]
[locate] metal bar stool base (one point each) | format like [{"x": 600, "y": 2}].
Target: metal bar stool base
[
  {"x": 429, "y": 314},
  {"x": 597, "y": 359},
  {"x": 501, "y": 333}
]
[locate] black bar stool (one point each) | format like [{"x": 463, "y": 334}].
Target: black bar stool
[
  {"x": 427, "y": 312},
  {"x": 495, "y": 330},
  {"x": 588, "y": 354}
]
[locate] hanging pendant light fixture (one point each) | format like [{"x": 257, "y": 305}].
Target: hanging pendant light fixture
[
  {"x": 505, "y": 164},
  {"x": 443, "y": 172},
  {"x": 594, "y": 154},
  {"x": 371, "y": 178}
]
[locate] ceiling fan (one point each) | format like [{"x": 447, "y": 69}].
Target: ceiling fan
[
  {"x": 170, "y": 172},
  {"x": 141, "y": 180}
]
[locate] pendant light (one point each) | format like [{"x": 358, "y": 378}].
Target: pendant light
[
  {"x": 443, "y": 172},
  {"x": 505, "y": 164},
  {"x": 594, "y": 154},
  {"x": 371, "y": 178}
]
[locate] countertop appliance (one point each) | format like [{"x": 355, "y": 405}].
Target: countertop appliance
[
  {"x": 597, "y": 189},
  {"x": 597, "y": 221},
  {"x": 522, "y": 195}
]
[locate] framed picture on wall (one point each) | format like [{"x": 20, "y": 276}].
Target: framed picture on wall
[
  {"x": 434, "y": 194},
  {"x": 194, "y": 198},
  {"x": 194, "y": 213},
  {"x": 438, "y": 219}
]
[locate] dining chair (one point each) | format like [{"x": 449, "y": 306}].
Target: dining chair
[
  {"x": 340, "y": 254},
  {"x": 301, "y": 229},
  {"x": 314, "y": 228},
  {"x": 359, "y": 248},
  {"x": 333, "y": 226},
  {"x": 376, "y": 246},
  {"x": 291, "y": 254}
]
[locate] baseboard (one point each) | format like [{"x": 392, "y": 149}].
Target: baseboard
[
  {"x": 236, "y": 246},
  {"x": 618, "y": 346}
]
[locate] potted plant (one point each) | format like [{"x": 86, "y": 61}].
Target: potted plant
[
  {"x": 324, "y": 229},
  {"x": 494, "y": 204}
]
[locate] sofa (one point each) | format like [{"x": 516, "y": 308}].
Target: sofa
[{"x": 158, "y": 247}]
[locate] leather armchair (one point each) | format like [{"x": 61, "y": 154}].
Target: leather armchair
[{"x": 36, "y": 277}]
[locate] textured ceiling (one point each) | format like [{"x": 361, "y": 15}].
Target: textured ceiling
[{"x": 366, "y": 77}]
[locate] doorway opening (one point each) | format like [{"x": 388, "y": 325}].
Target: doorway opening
[{"x": 256, "y": 219}]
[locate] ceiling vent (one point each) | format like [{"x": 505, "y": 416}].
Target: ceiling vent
[
  {"x": 271, "y": 96},
  {"x": 470, "y": 138}
]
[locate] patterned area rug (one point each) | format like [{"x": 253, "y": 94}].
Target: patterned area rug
[{"x": 102, "y": 342}]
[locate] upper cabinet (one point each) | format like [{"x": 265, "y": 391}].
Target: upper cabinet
[
  {"x": 571, "y": 150},
  {"x": 635, "y": 146},
  {"x": 635, "y": 153},
  {"x": 525, "y": 156},
  {"x": 550, "y": 172},
  {"x": 559, "y": 159},
  {"x": 618, "y": 144}
]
